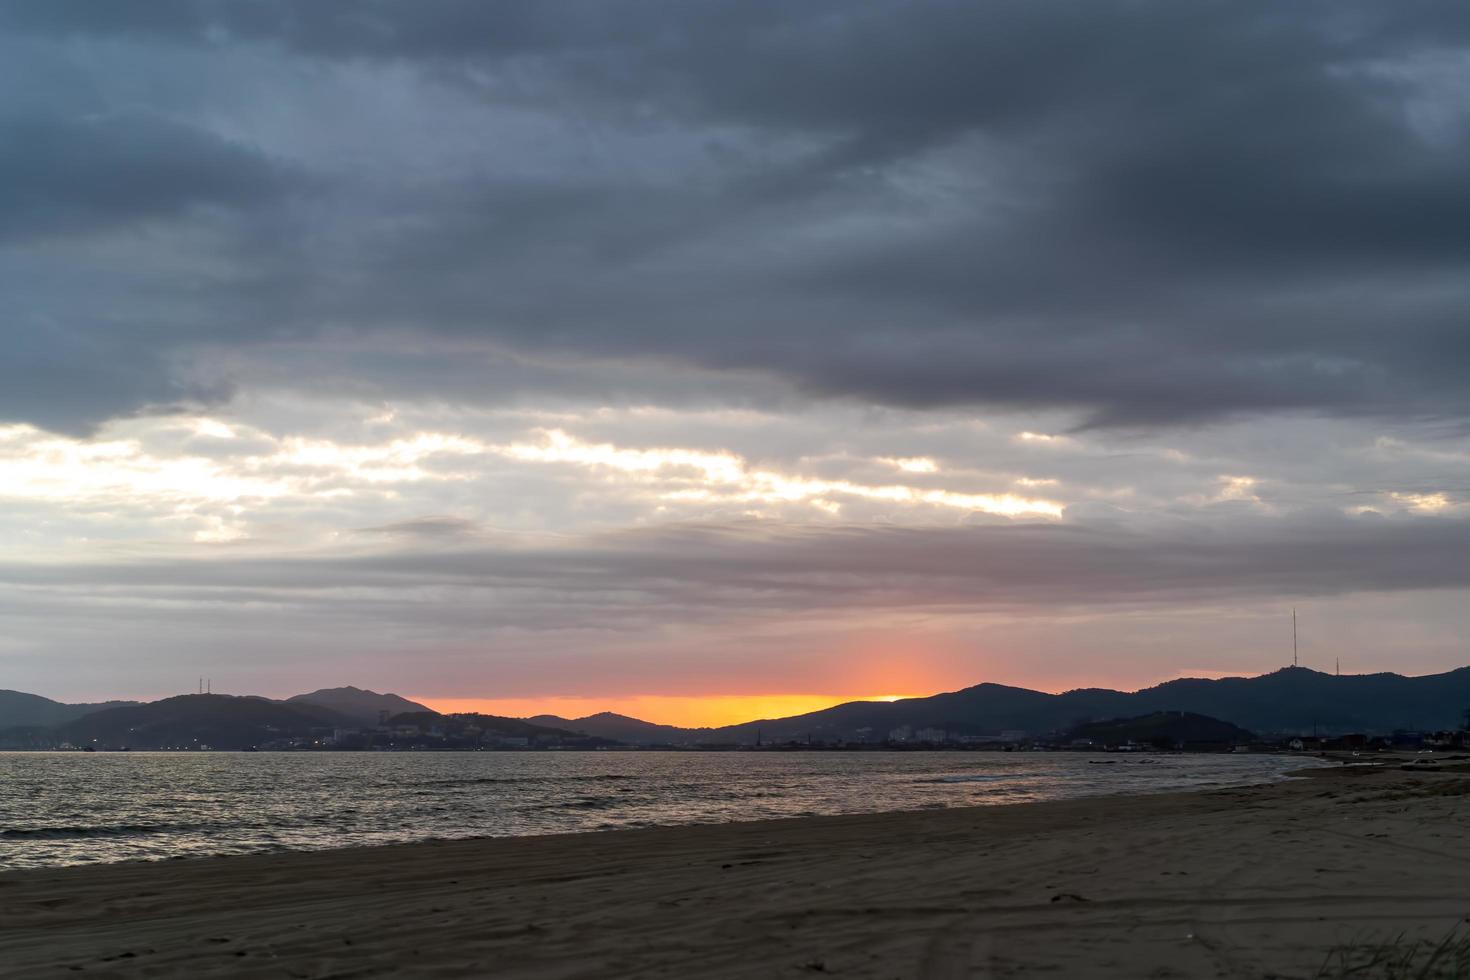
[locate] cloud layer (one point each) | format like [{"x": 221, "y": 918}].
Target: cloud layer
[
  {"x": 1137, "y": 212},
  {"x": 517, "y": 330}
]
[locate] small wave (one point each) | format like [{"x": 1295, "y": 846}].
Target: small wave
[
  {"x": 113, "y": 830},
  {"x": 588, "y": 804},
  {"x": 974, "y": 779},
  {"x": 514, "y": 780},
  {"x": 584, "y": 803}
]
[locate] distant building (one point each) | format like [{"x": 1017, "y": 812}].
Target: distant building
[
  {"x": 512, "y": 741},
  {"x": 1008, "y": 737},
  {"x": 931, "y": 735},
  {"x": 902, "y": 733}
]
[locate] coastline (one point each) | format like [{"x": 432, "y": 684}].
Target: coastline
[{"x": 1235, "y": 881}]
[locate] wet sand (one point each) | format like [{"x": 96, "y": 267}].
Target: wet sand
[{"x": 1241, "y": 882}]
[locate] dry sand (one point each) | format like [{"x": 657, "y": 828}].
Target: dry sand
[{"x": 1231, "y": 883}]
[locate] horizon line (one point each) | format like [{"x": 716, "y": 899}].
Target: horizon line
[{"x": 827, "y": 701}]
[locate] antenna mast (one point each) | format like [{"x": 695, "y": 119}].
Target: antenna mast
[{"x": 1293, "y": 637}]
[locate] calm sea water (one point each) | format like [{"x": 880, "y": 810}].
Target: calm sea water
[{"x": 74, "y": 808}]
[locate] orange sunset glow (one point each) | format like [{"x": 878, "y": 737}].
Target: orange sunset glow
[{"x": 711, "y": 711}]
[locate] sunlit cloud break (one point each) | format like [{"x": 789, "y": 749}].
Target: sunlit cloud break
[
  {"x": 156, "y": 471},
  {"x": 725, "y": 476}
]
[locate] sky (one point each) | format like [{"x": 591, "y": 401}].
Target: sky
[{"x": 710, "y": 358}]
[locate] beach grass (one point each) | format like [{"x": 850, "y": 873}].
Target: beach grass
[{"x": 1398, "y": 957}]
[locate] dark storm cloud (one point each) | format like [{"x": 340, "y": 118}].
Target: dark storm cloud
[
  {"x": 1148, "y": 212},
  {"x": 68, "y": 380},
  {"x": 90, "y": 332},
  {"x": 61, "y": 175}
]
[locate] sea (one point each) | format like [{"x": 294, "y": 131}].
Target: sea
[{"x": 80, "y": 808}]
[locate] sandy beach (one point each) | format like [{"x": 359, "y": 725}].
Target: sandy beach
[{"x": 1243, "y": 882}]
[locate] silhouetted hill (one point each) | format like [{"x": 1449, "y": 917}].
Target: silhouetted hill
[
  {"x": 1290, "y": 700},
  {"x": 19, "y": 709},
  {"x": 982, "y": 709},
  {"x": 494, "y": 724},
  {"x": 1297, "y": 699},
  {"x": 217, "y": 720},
  {"x": 362, "y": 706},
  {"x": 621, "y": 728},
  {"x": 1165, "y": 729}
]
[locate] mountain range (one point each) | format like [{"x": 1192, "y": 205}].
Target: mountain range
[
  {"x": 217, "y": 720},
  {"x": 1293, "y": 700},
  {"x": 221, "y": 721},
  {"x": 18, "y": 708},
  {"x": 364, "y": 707}
]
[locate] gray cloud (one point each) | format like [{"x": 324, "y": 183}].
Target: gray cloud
[
  {"x": 686, "y": 574},
  {"x": 100, "y": 211},
  {"x": 61, "y": 175},
  {"x": 748, "y": 606},
  {"x": 427, "y": 529},
  {"x": 1139, "y": 212}
]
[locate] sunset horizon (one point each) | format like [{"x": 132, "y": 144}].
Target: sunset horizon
[
  {"x": 715, "y": 709},
  {"x": 693, "y": 711}
]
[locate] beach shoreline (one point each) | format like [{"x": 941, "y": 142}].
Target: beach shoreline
[
  {"x": 1267, "y": 878},
  {"x": 104, "y": 808}
]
